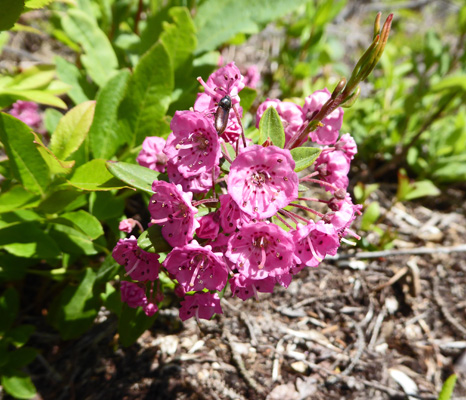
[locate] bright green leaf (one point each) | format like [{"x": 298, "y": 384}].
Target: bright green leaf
[
  {"x": 72, "y": 130},
  {"x": 18, "y": 384},
  {"x": 304, "y": 157},
  {"x": 248, "y": 95},
  {"x": 219, "y": 21},
  {"x": 105, "y": 135},
  {"x": 81, "y": 90},
  {"x": 421, "y": 189},
  {"x": 99, "y": 58},
  {"x": 51, "y": 119},
  {"x": 71, "y": 240},
  {"x": 370, "y": 216},
  {"x": 148, "y": 95},
  {"x": 37, "y": 3},
  {"x": 25, "y": 160},
  {"x": 17, "y": 197},
  {"x": 28, "y": 239},
  {"x": 447, "y": 388},
  {"x": 35, "y": 77},
  {"x": 93, "y": 176},
  {"x": 89, "y": 224},
  {"x": 134, "y": 175},
  {"x": 270, "y": 126}
]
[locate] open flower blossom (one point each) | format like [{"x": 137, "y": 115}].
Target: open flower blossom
[
  {"x": 171, "y": 208},
  {"x": 291, "y": 115},
  {"x": 261, "y": 250},
  {"x": 140, "y": 265},
  {"x": 328, "y": 133},
  {"x": 262, "y": 180},
  {"x": 230, "y": 212},
  {"x": 151, "y": 156},
  {"x": 196, "y": 267},
  {"x": 193, "y": 146},
  {"x": 225, "y": 81},
  {"x": 200, "y": 305},
  {"x": 314, "y": 241}
]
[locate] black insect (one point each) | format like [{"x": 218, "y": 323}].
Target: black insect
[{"x": 221, "y": 115}]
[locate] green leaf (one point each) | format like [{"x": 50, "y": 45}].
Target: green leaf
[
  {"x": 20, "y": 335},
  {"x": 14, "y": 268},
  {"x": 72, "y": 130},
  {"x": 219, "y": 21},
  {"x": 75, "y": 310},
  {"x": 36, "y": 96},
  {"x": 248, "y": 95},
  {"x": 451, "y": 83},
  {"x": 28, "y": 239},
  {"x": 179, "y": 38},
  {"x": 99, "y": 59},
  {"x": 51, "y": 119},
  {"x": 11, "y": 10},
  {"x": 132, "y": 324},
  {"x": 24, "y": 159},
  {"x": 148, "y": 95},
  {"x": 17, "y": 197},
  {"x": 72, "y": 240},
  {"x": 370, "y": 216},
  {"x": 105, "y": 135},
  {"x": 106, "y": 206},
  {"x": 447, "y": 388},
  {"x": 9, "y": 306},
  {"x": 81, "y": 90},
  {"x": 134, "y": 175},
  {"x": 58, "y": 200},
  {"x": 18, "y": 384},
  {"x": 93, "y": 176},
  {"x": 89, "y": 224},
  {"x": 304, "y": 157},
  {"x": 37, "y": 77},
  {"x": 422, "y": 189},
  {"x": 270, "y": 126},
  {"x": 37, "y": 3},
  {"x": 151, "y": 240},
  {"x": 19, "y": 358}
]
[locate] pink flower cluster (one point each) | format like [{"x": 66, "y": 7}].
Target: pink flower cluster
[{"x": 237, "y": 220}]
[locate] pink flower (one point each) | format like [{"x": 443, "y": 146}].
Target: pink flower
[
  {"x": 150, "y": 309},
  {"x": 139, "y": 264},
  {"x": 201, "y": 183},
  {"x": 152, "y": 156},
  {"x": 196, "y": 267},
  {"x": 262, "y": 180},
  {"x": 200, "y": 305},
  {"x": 261, "y": 250},
  {"x": 333, "y": 167},
  {"x": 328, "y": 133},
  {"x": 133, "y": 294},
  {"x": 171, "y": 207},
  {"x": 193, "y": 147},
  {"x": 347, "y": 145},
  {"x": 231, "y": 216},
  {"x": 291, "y": 115},
  {"x": 314, "y": 241},
  {"x": 127, "y": 225},
  {"x": 208, "y": 226},
  {"x": 252, "y": 77},
  {"x": 225, "y": 81},
  {"x": 206, "y": 105},
  {"x": 245, "y": 288},
  {"x": 28, "y": 112},
  {"x": 343, "y": 215}
]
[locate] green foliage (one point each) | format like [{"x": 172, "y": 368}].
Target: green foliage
[
  {"x": 11, "y": 10},
  {"x": 271, "y": 127},
  {"x": 447, "y": 388},
  {"x": 304, "y": 157}
]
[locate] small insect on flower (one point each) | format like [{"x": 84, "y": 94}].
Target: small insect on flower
[{"x": 222, "y": 113}]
